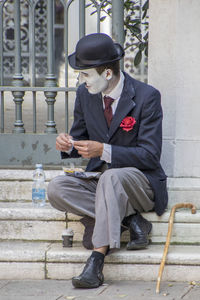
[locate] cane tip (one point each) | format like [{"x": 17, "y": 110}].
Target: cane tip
[
  {"x": 193, "y": 210},
  {"x": 158, "y": 285}
]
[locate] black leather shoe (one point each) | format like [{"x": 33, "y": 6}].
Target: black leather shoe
[
  {"x": 139, "y": 229},
  {"x": 88, "y": 222},
  {"x": 92, "y": 276}
]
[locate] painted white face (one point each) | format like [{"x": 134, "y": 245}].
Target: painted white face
[{"x": 94, "y": 82}]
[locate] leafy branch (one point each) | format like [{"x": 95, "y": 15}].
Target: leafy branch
[{"x": 135, "y": 24}]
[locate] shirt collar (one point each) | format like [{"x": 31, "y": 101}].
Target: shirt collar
[{"x": 116, "y": 92}]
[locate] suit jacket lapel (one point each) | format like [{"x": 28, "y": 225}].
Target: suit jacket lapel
[{"x": 125, "y": 105}]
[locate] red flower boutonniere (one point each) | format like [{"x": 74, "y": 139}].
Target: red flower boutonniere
[{"x": 128, "y": 123}]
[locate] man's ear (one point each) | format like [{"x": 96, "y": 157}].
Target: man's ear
[{"x": 107, "y": 74}]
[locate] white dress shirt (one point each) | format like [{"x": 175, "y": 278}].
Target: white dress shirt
[{"x": 115, "y": 94}]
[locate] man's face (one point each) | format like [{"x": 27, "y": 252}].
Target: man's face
[{"x": 94, "y": 82}]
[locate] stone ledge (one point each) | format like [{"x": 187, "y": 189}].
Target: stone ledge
[
  {"x": 177, "y": 255},
  {"x": 26, "y": 175},
  {"x": 17, "y": 186},
  {"x": 22, "y": 221},
  {"x": 173, "y": 183},
  {"x": 143, "y": 272},
  {"x": 22, "y": 271},
  {"x": 51, "y": 261},
  {"x": 19, "y": 251},
  {"x": 26, "y": 211},
  {"x": 12, "y": 251},
  {"x": 181, "y": 216}
]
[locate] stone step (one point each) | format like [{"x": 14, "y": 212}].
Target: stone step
[
  {"x": 27, "y": 260},
  {"x": 22, "y": 221},
  {"x": 186, "y": 228},
  {"x": 16, "y": 185}
]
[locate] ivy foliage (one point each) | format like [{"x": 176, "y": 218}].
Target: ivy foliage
[{"x": 135, "y": 24}]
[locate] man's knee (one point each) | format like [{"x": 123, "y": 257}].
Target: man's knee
[
  {"x": 124, "y": 176},
  {"x": 110, "y": 175}
]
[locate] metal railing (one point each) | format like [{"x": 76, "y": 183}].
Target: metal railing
[
  {"x": 28, "y": 66},
  {"x": 50, "y": 87}
]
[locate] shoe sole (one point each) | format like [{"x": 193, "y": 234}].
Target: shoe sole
[
  {"x": 137, "y": 247},
  {"x": 85, "y": 285}
]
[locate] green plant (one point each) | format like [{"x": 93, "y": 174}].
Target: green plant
[{"x": 135, "y": 24}]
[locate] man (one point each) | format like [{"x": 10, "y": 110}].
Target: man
[{"x": 118, "y": 126}]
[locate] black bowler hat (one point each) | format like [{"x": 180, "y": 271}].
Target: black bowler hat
[{"x": 94, "y": 50}]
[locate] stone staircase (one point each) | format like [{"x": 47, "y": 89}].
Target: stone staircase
[{"x": 31, "y": 245}]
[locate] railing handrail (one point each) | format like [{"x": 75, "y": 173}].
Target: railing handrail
[{"x": 36, "y": 89}]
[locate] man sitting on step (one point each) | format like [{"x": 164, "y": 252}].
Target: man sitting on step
[{"x": 118, "y": 127}]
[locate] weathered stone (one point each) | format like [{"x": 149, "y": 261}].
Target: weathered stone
[
  {"x": 22, "y": 271},
  {"x": 32, "y": 230},
  {"x": 26, "y": 211},
  {"x": 173, "y": 68},
  {"x": 19, "y": 251}
]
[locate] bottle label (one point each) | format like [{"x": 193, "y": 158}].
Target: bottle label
[{"x": 38, "y": 194}]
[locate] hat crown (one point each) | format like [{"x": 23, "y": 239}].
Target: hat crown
[
  {"x": 94, "y": 50},
  {"x": 95, "y": 47}
]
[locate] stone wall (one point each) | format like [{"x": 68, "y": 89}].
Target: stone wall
[{"x": 174, "y": 68}]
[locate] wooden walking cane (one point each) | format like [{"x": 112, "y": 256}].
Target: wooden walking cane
[{"x": 171, "y": 221}]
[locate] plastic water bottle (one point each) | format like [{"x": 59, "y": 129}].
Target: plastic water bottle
[{"x": 38, "y": 188}]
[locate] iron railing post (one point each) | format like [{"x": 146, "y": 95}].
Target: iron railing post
[
  {"x": 81, "y": 18},
  {"x": 50, "y": 77},
  {"x": 66, "y": 29},
  {"x": 1, "y": 67},
  {"x": 18, "y": 78},
  {"x": 118, "y": 23},
  {"x": 32, "y": 59},
  {"x": 1, "y": 43}
]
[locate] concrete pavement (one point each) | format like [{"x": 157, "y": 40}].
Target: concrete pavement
[{"x": 111, "y": 290}]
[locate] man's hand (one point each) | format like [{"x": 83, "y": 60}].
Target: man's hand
[
  {"x": 63, "y": 142},
  {"x": 89, "y": 149}
]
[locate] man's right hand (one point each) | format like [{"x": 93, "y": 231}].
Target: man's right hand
[{"x": 63, "y": 142}]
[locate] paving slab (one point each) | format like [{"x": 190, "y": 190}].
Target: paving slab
[
  {"x": 110, "y": 290},
  {"x": 3, "y": 283}
]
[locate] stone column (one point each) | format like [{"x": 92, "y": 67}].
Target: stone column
[{"x": 174, "y": 68}]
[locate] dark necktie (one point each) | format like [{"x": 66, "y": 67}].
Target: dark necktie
[{"x": 108, "y": 109}]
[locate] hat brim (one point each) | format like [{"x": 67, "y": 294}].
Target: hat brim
[{"x": 96, "y": 63}]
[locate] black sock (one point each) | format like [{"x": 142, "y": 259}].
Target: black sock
[{"x": 98, "y": 255}]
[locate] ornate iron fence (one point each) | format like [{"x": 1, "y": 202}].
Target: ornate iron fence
[{"x": 34, "y": 41}]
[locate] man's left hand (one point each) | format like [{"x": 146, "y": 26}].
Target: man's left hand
[{"x": 89, "y": 149}]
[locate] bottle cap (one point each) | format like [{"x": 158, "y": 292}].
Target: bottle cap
[{"x": 38, "y": 166}]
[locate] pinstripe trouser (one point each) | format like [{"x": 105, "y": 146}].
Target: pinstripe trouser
[{"x": 117, "y": 194}]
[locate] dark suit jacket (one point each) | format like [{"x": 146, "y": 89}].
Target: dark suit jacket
[{"x": 139, "y": 147}]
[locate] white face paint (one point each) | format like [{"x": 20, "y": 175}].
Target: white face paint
[{"x": 94, "y": 82}]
